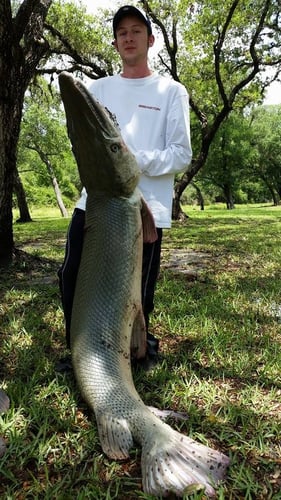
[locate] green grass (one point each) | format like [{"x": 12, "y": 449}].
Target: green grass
[{"x": 220, "y": 330}]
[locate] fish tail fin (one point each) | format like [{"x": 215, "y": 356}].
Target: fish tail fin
[
  {"x": 178, "y": 464},
  {"x": 115, "y": 436}
]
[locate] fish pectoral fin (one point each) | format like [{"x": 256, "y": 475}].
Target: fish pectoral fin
[
  {"x": 148, "y": 224},
  {"x": 175, "y": 463},
  {"x": 168, "y": 414},
  {"x": 115, "y": 436},
  {"x": 138, "y": 339}
]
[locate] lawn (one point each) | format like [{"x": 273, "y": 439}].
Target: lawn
[{"x": 218, "y": 315}]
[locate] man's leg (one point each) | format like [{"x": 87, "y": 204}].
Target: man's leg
[
  {"x": 150, "y": 272},
  {"x": 69, "y": 270}
]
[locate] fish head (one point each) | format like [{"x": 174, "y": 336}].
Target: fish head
[{"x": 105, "y": 163}]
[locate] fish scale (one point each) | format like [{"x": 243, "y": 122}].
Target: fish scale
[{"x": 107, "y": 326}]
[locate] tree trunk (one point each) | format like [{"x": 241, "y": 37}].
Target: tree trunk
[
  {"x": 21, "y": 48},
  {"x": 199, "y": 196},
  {"x": 21, "y": 199},
  {"x": 185, "y": 180},
  {"x": 177, "y": 211},
  {"x": 278, "y": 198},
  {"x": 53, "y": 178},
  {"x": 275, "y": 197},
  {"x": 60, "y": 203},
  {"x": 274, "y": 194},
  {"x": 228, "y": 197},
  {"x": 11, "y": 102},
  {"x": 208, "y": 134}
]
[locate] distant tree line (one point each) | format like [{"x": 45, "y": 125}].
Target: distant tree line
[
  {"x": 244, "y": 161},
  {"x": 243, "y": 164}
]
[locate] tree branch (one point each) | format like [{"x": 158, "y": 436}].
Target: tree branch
[
  {"x": 70, "y": 69},
  {"x": 171, "y": 48},
  {"x": 22, "y": 17},
  {"x": 68, "y": 49},
  {"x": 218, "y": 49},
  {"x": 254, "y": 56}
]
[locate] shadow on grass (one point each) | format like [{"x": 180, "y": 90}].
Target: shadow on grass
[
  {"x": 236, "y": 235},
  {"x": 49, "y": 416}
]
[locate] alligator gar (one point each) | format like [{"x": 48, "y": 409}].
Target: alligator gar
[{"x": 107, "y": 309}]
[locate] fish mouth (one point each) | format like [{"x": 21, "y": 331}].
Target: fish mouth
[{"x": 77, "y": 98}]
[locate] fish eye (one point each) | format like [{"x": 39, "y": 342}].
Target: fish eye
[{"x": 114, "y": 148}]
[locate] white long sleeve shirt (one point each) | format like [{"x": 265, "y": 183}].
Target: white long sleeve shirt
[{"x": 153, "y": 116}]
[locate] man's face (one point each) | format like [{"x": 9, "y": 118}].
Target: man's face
[{"x": 132, "y": 40}]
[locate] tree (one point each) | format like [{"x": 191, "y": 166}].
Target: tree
[
  {"x": 21, "y": 198},
  {"x": 224, "y": 50},
  {"x": 43, "y": 131},
  {"x": 21, "y": 48},
  {"x": 27, "y": 42},
  {"x": 266, "y": 131},
  {"x": 229, "y": 157}
]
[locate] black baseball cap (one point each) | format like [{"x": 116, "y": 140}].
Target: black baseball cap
[{"x": 130, "y": 10}]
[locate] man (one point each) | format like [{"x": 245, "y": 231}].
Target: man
[{"x": 153, "y": 114}]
